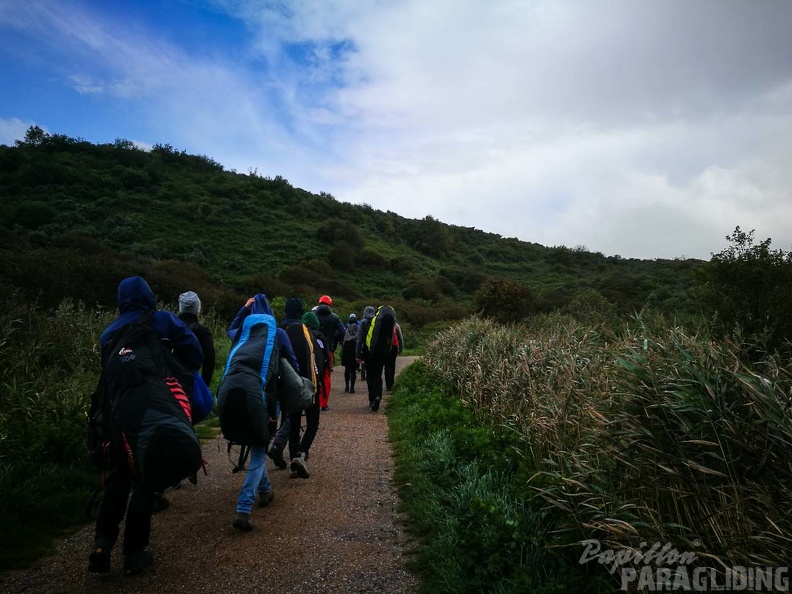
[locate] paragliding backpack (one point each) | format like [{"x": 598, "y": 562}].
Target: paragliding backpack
[
  {"x": 140, "y": 415},
  {"x": 379, "y": 338},
  {"x": 243, "y": 397}
]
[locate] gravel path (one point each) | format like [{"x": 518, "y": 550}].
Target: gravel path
[{"x": 335, "y": 532}]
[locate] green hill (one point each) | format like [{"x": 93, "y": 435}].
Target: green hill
[{"x": 77, "y": 217}]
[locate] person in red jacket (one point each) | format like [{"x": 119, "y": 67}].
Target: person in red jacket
[{"x": 333, "y": 329}]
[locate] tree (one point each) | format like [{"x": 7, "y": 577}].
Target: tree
[{"x": 747, "y": 286}]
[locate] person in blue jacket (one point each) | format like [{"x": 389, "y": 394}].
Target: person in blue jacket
[
  {"x": 256, "y": 478},
  {"x": 136, "y": 298}
]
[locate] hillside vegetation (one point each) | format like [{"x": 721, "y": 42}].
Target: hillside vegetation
[{"x": 78, "y": 217}]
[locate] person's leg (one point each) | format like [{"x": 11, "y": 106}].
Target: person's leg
[
  {"x": 312, "y": 426},
  {"x": 374, "y": 381},
  {"x": 347, "y": 378},
  {"x": 256, "y": 479},
  {"x": 111, "y": 512},
  {"x": 278, "y": 442},
  {"x": 352, "y": 378},
  {"x": 324, "y": 396},
  {"x": 295, "y": 421},
  {"x": 390, "y": 368}
]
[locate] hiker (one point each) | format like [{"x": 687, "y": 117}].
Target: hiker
[
  {"x": 294, "y": 310},
  {"x": 368, "y": 313},
  {"x": 189, "y": 312},
  {"x": 397, "y": 346},
  {"x": 348, "y": 354},
  {"x": 135, "y": 298},
  {"x": 299, "y": 448},
  {"x": 256, "y": 479},
  {"x": 375, "y": 339},
  {"x": 333, "y": 330}
]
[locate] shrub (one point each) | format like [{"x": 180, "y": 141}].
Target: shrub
[{"x": 505, "y": 300}]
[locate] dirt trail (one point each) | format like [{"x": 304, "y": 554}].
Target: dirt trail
[{"x": 337, "y": 531}]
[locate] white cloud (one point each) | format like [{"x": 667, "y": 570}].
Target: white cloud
[
  {"x": 648, "y": 129},
  {"x": 12, "y": 130}
]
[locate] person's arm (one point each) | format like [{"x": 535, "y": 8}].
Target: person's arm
[
  {"x": 183, "y": 343},
  {"x": 340, "y": 332},
  {"x": 361, "y": 340},
  {"x": 401, "y": 338},
  {"x": 233, "y": 329}
]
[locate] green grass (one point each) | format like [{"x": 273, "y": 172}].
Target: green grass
[{"x": 474, "y": 526}]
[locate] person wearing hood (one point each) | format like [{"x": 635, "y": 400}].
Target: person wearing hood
[
  {"x": 135, "y": 298},
  {"x": 348, "y": 354},
  {"x": 333, "y": 329},
  {"x": 256, "y": 479},
  {"x": 360, "y": 348}
]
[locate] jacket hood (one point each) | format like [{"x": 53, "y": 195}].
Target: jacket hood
[
  {"x": 369, "y": 312},
  {"x": 294, "y": 308},
  {"x": 323, "y": 310},
  {"x": 134, "y": 294},
  {"x": 261, "y": 305}
]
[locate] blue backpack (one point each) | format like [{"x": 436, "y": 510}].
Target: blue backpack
[{"x": 248, "y": 386}]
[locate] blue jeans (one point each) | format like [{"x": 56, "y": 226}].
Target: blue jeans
[{"x": 256, "y": 479}]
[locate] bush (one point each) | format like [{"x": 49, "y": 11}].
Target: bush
[{"x": 505, "y": 300}]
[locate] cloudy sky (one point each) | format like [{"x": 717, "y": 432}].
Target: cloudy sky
[{"x": 644, "y": 128}]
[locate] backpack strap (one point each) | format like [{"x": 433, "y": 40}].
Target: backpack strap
[{"x": 244, "y": 452}]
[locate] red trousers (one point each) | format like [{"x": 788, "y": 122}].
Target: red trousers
[{"x": 324, "y": 395}]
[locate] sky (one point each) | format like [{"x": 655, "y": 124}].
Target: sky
[{"x": 640, "y": 128}]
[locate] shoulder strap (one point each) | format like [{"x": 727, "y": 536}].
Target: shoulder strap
[{"x": 309, "y": 339}]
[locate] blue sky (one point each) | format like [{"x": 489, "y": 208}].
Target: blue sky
[{"x": 634, "y": 127}]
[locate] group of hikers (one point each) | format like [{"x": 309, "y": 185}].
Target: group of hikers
[{"x": 156, "y": 369}]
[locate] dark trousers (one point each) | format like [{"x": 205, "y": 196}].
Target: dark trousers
[
  {"x": 350, "y": 375},
  {"x": 296, "y": 444},
  {"x": 114, "y": 505},
  {"x": 390, "y": 368},
  {"x": 374, "y": 379}
]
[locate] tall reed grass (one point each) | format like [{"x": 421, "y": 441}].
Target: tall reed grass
[{"x": 650, "y": 433}]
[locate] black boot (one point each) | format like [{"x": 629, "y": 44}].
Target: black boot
[{"x": 352, "y": 385}]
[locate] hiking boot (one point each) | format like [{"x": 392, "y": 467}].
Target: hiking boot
[
  {"x": 160, "y": 503},
  {"x": 277, "y": 456},
  {"x": 346, "y": 388},
  {"x": 266, "y": 498},
  {"x": 325, "y": 408},
  {"x": 375, "y": 405},
  {"x": 298, "y": 465},
  {"x": 242, "y": 522},
  {"x": 136, "y": 562},
  {"x": 99, "y": 561}
]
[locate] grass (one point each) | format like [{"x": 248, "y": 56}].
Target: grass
[{"x": 464, "y": 504}]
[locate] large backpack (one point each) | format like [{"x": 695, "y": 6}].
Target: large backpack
[
  {"x": 247, "y": 384},
  {"x": 140, "y": 414},
  {"x": 379, "y": 338}
]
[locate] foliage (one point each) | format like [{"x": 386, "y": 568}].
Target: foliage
[
  {"x": 648, "y": 434},
  {"x": 747, "y": 286},
  {"x": 475, "y": 530},
  {"x": 505, "y": 300},
  {"x": 139, "y": 208}
]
